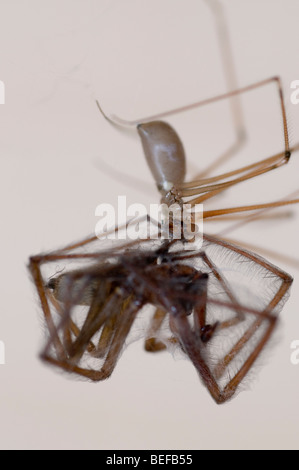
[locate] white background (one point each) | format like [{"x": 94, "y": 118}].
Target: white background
[{"x": 137, "y": 58}]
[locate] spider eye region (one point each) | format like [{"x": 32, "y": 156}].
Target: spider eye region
[{"x": 52, "y": 283}]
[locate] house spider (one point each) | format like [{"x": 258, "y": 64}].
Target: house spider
[{"x": 190, "y": 296}]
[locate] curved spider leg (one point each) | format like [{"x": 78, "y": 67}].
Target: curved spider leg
[
  {"x": 116, "y": 345},
  {"x": 286, "y": 282},
  {"x": 34, "y": 267},
  {"x": 110, "y": 327},
  {"x": 194, "y": 350},
  {"x": 100, "y": 312},
  {"x": 152, "y": 344},
  {"x": 205, "y": 187},
  {"x": 152, "y": 341},
  {"x": 70, "y": 329}
]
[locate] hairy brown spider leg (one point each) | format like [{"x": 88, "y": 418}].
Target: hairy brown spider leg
[
  {"x": 125, "y": 319},
  {"x": 286, "y": 282},
  {"x": 152, "y": 344},
  {"x": 239, "y": 314},
  {"x": 71, "y": 328},
  {"x": 34, "y": 266},
  {"x": 113, "y": 353},
  {"x": 100, "y": 311},
  {"x": 193, "y": 349}
]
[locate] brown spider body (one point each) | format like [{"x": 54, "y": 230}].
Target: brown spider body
[{"x": 90, "y": 311}]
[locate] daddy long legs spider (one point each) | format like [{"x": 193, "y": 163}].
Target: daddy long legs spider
[
  {"x": 190, "y": 297},
  {"x": 91, "y": 308}
]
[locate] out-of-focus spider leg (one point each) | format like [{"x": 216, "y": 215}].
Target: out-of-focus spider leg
[
  {"x": 193, "y": 349},
  {"x": 226, "y": 55},
  {"x": 234, "y": 210},
  {"x": 67, "y": 325},
  {"x": 152, "y": 344},
  {"x": 286, "y": 282},
  {"x": 106, "y": 336},
  {"x": 239, "y": 313},
  {"x": 34, "y": 266},
  {"x": 99, "y": 313},
  {"x": 71, "y": 327},
  {"x": 229, "y": 70},
  {"x": 115, "y": 348},
  {"x": 113, "y": 321}
]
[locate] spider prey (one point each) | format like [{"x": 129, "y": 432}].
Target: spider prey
[{"x": 189, "y": 299}]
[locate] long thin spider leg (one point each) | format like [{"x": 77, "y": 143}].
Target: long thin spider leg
[
  {"x": 106, "y": 335},
  {"x": 66, "y": 325},
  {"x": 278, "y": 296},
  {"x": 231, "y": 387},
  {"x": 118, "y": 121},
  {"x": 94, "y": 238},
  {"x": 258, "y": 168},
  {"x": 193, "y": 349},
  {"x": 200, "y": 310},
  {"x": 225, "y": 48},
  {"x": 100, "y": 311},
  {"x": 285, "y": 284},
  {"x": 151, "y": 343},
  {"x": 233, "y": 210},
  {"x": 275, "y": 161},
  {"x": 63, "y": 254},
  {"x": 71, "y": 328},
  {"x": 109, "y": 328},
  {"x": 229, "y": 70},
  {"x": 221, "y": 366},
  {"x": 264, "y": 214},
  {"x": 239, "y": 313},
  {"x": 127, "y": 318},
  {"x": 112, "y": 356},
  {"x": 209, "y": 191},
  {"x": 286, "y": 278},
  {"x": 239, "y": 219},
  {"x": 34, "y": 267},
  {"x": 265, "y": 251}
]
